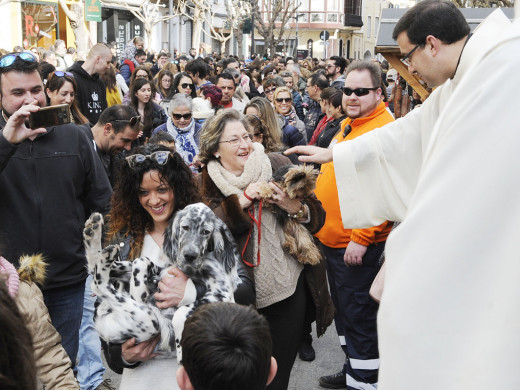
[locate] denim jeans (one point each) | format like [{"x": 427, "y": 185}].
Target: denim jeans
[
  {"x": 65, "y": 307},
  {"x": 90, "y": 366}
]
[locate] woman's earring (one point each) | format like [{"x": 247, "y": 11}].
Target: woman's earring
[{"x": 217, "y": 155}]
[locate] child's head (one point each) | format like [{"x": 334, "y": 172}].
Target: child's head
[
  {"x": 226, "y": 346},
  {"x": 163, "y": 138}
]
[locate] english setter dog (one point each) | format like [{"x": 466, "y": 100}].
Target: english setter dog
[{"x": 196, "y": 241}]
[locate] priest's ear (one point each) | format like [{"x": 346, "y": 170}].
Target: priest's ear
[
  {"x": 183, "y": 380},
  {"x": 272, "y": 370}
]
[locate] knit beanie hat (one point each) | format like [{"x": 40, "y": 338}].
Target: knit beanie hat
[{"x": 13, "y": 280}]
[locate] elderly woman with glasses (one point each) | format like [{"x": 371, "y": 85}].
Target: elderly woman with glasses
[
  {"x": 183, "y": 128},
  {"x": 153, "y": 184},
  {"x": 236, "y": 170},
  {"x": 61, "y": 88}
]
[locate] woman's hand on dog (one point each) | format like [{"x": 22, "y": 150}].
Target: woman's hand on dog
[
  {"x": 133, "y": 352},
  {"x": 282, "y": 200},
  {"x": 172, "y": 287},
  {"x": 253, "y": 192}
]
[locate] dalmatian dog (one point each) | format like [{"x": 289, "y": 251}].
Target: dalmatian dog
[{"x": 197, "y": 242}]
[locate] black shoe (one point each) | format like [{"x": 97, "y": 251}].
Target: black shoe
[
  {"x": 307, "y": 352},
  {"x": 335, "y": 381}
]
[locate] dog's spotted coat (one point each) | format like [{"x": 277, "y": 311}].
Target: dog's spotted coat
[{"x": 196, "y": 241}]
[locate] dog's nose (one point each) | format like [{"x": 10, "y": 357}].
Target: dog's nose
[{"x": 190, "y": 257}]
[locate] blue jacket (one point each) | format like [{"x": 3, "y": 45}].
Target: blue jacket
[
  {"x": 298, "y": 104},
  {"x": 291, "y": 136}
]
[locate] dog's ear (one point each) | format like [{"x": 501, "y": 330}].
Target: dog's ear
[
  {"x": 225, "y": 246},
  {"x": 171, "y": 237}
]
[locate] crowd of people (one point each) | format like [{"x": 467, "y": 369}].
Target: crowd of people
[{"x": 151, "y": 133}]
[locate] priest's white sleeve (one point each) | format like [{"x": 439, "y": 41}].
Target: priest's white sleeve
[{"x": 377, "y": 172}]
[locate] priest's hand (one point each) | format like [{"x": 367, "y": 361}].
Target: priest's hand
[{"x": 310, "y": 154}]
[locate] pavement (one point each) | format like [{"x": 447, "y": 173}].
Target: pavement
[{"x": 304, "y": 375}]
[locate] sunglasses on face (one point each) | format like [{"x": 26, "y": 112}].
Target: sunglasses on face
[
  {"x": 187, "y": 85},
  {"x": 132, "y": 121},
  {"x": 9, "y": 59},
  {"x": 182, "y": 116},
  {"x": 358, "y": 91},
  {"x": 270, "y": 90},
  {"x": 160, "y": 158},
  {"x": 283, "y": 100}
]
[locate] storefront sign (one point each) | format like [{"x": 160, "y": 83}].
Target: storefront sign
[
  {"x": 92, "y": 10},
  {"x": 39, "y": 23}
]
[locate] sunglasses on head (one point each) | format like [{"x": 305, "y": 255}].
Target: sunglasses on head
[
  {"x": 9, "y": 59},
  {"x": 283, "y": 100},
  {"x": 59, "y": 73},
  {"x": 358, "y": 91},
  {"x": 160, "y": 158},
  {"x": 187, "y": 85},
  {"x": 132, "y": 121},
  {"x": 184, "y": 116}
]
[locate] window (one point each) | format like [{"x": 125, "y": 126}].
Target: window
[
  {"x": 369, "y": 26},
  {"x": 332, "y": 18},
  {"x": 376, "y": 26},
  {"x": 316, "y": 18}
]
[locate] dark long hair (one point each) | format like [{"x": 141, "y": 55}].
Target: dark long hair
[
  {"x": 127, "y": 214},
  {"x": 148, "y": 108},
  {"x": 166, "y": 93},
  {"x": 177, "y": 81},
  {"x": 17, "y": 366},
  {"x": 54, "y": 83}
]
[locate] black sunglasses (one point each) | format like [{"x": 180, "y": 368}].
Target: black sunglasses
[
  {"x": 283, "y": 100},
  {"x": 187, "y": 85},
  {"x": 184, "y": 116},
  {"x": 9, "y": 59},
  {"x": 358, "y": 91},
  {"x": 270, "y": 90},
  {"x": 132, "y": 121}
]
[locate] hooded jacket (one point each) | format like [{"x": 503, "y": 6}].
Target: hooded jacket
[
  {"x": 48, "y": 187},
  {"x": 91, "y": 94}
]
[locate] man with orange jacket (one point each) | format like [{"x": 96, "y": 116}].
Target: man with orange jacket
[{"x": 353, "y": 254}]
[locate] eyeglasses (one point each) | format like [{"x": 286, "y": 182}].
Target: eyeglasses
[
  {"x": 160, "y": 158},
  {"x": 187, "y": 85},
  {"x": 59, "y": 73},
  {"x": 270, "y": 90},
  {"x": 407, "y": 58},
  {"x": 248, "y": 138},
  {"x": 132, "y": 121},
  {"x": 9, "y": 59},
  {"x": 330, "y": 66},
  {"x": 283, "y": 100},
  {"x": 182, "y": 116},
  {"x": 358, "y": 91}
]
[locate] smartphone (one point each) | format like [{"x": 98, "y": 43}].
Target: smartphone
[{"x": 50, "y": 116}]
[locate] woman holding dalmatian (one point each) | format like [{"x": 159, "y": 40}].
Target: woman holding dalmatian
[
  {"x": 154, "y": 182},
  {"x": 235, "y": 171}
]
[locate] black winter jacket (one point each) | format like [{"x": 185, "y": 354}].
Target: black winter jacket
[
  {"x": 48, "y": 187},
  {"x": 91, "y": 94}
]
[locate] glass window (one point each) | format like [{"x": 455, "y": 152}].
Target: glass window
[
  {"x": 332, "y": 18},
  {"x": 40, "y": 22},
  {"x": 369, "y": 26},
  {"x": 316, "y": 18}
]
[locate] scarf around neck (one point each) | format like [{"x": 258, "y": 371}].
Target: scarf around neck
[
  {"x": 257, "y": 168},
  {"x": 291, "y": 117},
  {"x": 184, "y": 140}
]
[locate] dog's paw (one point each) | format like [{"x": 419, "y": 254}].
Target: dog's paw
[
  {"x": 109, "y": 254},
  {"x": 93, "y": 228}
]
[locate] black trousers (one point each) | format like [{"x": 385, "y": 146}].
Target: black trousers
[
  {"x": 356, "y": 314},
  {"x": 286, "y": 323}
]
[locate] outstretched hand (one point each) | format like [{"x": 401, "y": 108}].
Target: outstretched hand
[
  {"x": 311, "y": 154},
  {"x": 15, "y": 130}
]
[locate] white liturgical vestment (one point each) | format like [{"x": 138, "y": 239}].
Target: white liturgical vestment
[{"x": 450, "y": 171}]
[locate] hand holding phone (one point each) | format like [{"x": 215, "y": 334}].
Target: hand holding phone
[{"x": 50, "y": 116}]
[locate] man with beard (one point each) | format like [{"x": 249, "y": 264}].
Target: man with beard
[{"x": 334, "y": 71}]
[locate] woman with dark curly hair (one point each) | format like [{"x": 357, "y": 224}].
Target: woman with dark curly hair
[
  {"x": 61, "y": 88},
  {"x": 153, "y": 184}
]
